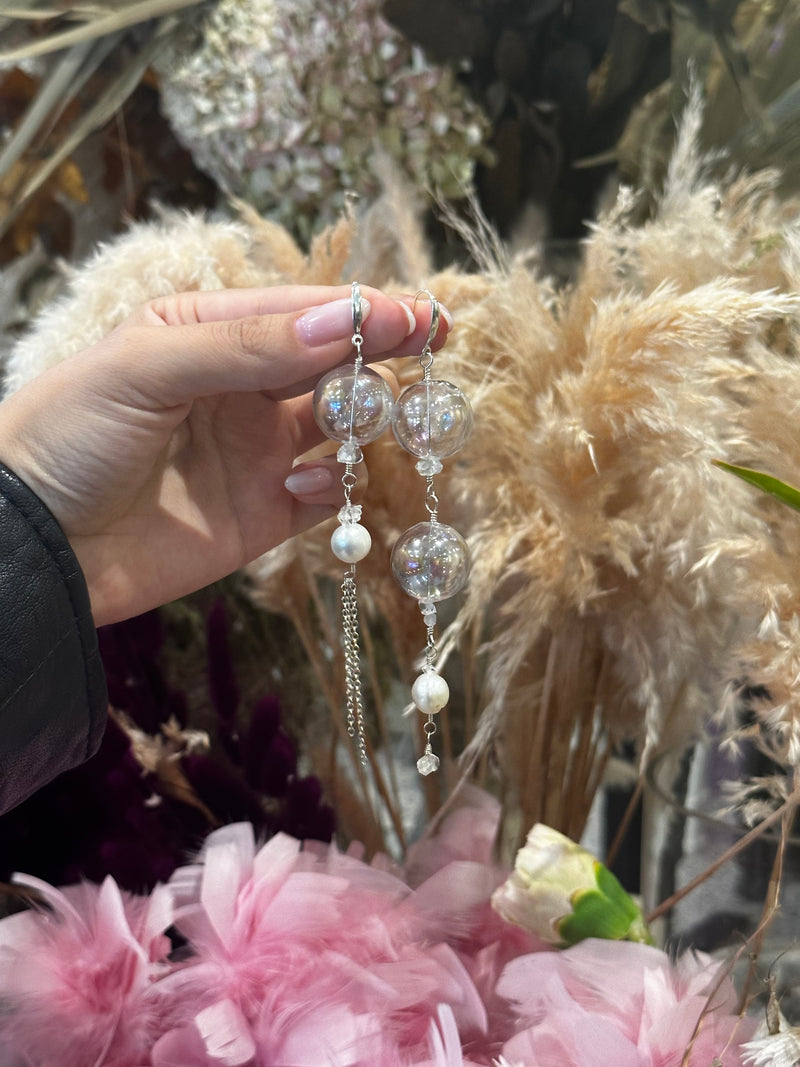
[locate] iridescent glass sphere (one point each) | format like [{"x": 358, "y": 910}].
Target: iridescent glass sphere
[
  {"x": 432, "y": 418},
  {"x": 346, "y": 401},
  {"x": 431, "y": 561}
]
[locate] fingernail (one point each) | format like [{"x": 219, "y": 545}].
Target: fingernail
[
  {"x": 412, "y": 322},
  {"x": 310, "y": 480},
  {"x": 329, "y": 322},
  {"x": 445, "y": 313}
]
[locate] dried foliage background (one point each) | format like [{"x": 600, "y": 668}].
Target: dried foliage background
[
  {"x": 626, "y": 306},
  {"x": 620, "y": 582},
  {"x": 575, "y": 95}
]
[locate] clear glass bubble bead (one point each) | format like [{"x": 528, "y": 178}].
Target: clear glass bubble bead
[
  {"x": 432, "y": 419},
  {"x": 369, "y": 405},
  {"x": 431, "y": 561}
]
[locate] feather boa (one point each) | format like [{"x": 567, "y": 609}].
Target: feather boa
[{"x": 302, "y": 956}]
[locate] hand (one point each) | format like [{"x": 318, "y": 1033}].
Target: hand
[{"x": 164, "y": 449}]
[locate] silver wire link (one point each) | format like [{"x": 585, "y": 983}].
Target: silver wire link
[
  {"x": 431, "y": 651},
  {"x": 349, "y": 482},
  {"x": 431, "y": 500}
]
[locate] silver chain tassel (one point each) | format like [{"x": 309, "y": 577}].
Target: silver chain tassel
[{"x": 352, "y": 664}]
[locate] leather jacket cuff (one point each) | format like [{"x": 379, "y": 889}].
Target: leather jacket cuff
[{"x": 53, "y": 697}]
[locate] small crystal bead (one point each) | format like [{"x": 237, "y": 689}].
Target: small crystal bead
[
  {"x": 350, "y": 513},
  {"x": 349, "y": 452},
  {"x": 428, "y": 762},
  {"x": 428, "y": 466}
]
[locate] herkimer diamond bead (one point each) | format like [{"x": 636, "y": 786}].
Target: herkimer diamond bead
[{"x": 428, "y": 763}]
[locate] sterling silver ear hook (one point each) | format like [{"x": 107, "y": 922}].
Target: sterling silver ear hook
[
  {"x": 358, "y": 312},
  {"x": 353, "y": 405},
  {"x": 431, "y": 419},
  {"x": 427, "y": 354}
]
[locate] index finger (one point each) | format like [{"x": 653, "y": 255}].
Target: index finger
[
  {"x": 175, "y": 351},
  {"x": 219, "y": 305}
]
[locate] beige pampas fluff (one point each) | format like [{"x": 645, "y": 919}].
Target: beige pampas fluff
[
  {"x": 594, "y": 500},
  {"x": 613, "y": 598},
  {"x": 179, "y": 252},
  {"x": 176, "y": 253}
]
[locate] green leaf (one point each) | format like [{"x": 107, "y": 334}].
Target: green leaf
[
  {"x": 774, "y": 486},
  {"x": 609, "y": 885},
  {"x": 593, "y": 915},
  {"x": 606, "y": 911}
]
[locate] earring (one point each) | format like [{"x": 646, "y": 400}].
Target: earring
[
  {"x": 431, "y": 419},
  {"x": 353, "y": 405}
]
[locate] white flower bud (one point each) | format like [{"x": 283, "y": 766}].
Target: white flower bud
[{"x": 560, "y": 892}]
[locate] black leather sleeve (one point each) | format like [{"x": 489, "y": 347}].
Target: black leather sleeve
[{"x": 53, "y": 698}]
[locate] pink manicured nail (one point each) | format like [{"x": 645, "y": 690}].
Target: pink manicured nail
[
  {"x": 310, "y": 480},
  {"x": 445, "y": 313},
  {"x": 329, "y": 322},
  {"x": 412, "y": 322}
]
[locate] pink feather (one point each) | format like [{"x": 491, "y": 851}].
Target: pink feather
[
  {"x": 302, "y": 956},
  {"x": 78, "y": 978},
  {"x": 629, "y": 991}
]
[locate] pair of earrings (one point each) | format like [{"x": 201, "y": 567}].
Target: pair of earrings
[{"x": 431, "y": 419}]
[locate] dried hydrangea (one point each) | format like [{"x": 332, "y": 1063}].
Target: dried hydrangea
[{"x": 290, "y": 105}]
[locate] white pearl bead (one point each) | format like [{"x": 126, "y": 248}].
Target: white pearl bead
[
  {"x": 430, "y": 692},
  {"x": 351, "y": 542}
]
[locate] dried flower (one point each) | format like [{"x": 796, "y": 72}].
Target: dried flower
[
  {"x": 163, "y": 785},
  {"x": 288, "y": 105},
  {"x": 779, "y": 1047}
]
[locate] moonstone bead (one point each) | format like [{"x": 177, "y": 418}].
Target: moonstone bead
[
  {"x": 433, "y": 419},
  {"x": 431, "y": 561},
  {"x": 341, "y": 393},
  {"x": 351, "y": 542},
  {"x": 430, "y": 692}
]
